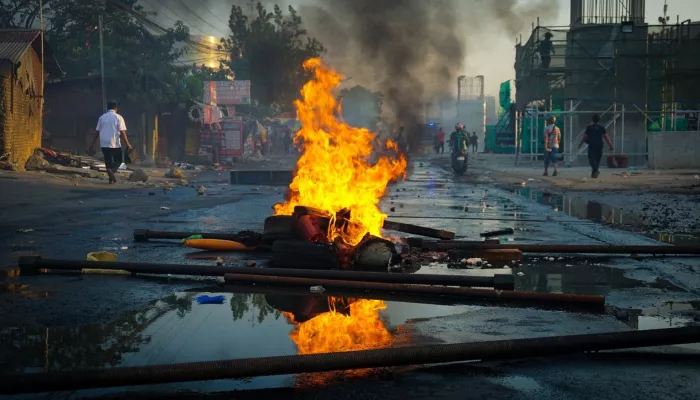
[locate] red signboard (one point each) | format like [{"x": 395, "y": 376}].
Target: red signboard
[
  {"x": 226, "y": 135},
  {"x": 232, "y": 137},
  {"x": 227, "y": 92}
]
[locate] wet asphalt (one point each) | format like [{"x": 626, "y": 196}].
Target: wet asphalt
[{"x": 71, "y": 322}]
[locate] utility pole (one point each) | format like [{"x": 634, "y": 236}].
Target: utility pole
[
  {"x": 43, "y": 69},
  {"x": 102, "y": 57}
]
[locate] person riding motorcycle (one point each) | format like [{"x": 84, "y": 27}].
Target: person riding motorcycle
[{"x": 458, "y": 139}]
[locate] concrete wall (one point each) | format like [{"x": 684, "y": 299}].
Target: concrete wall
[
  {"x": 20, "y": 109},
  {"x": 674, "y": 150}
]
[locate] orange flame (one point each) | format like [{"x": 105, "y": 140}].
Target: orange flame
[
  {"x": 333, "y": 172},
  {"x": 333, "y": 332}
]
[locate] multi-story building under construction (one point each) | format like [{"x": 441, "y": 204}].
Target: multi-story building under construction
[{"x": 638, "y": 77}]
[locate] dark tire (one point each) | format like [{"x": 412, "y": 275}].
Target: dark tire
[
  {"x": 299, "y": 254},
  {"x": 279, "y": 224},
  {"x": 279, "y": 227}
]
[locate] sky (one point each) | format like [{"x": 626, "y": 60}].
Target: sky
[{"x": 488, "y": 54}]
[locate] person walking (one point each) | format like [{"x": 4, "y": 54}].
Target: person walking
[
  {"x": 552, "y": 138},
  {"x": 111, "y": 131},
  {"x": 594, "y": 136},
  {"x": 440, "y": 141},
  {"x": 474, "y": 142}
]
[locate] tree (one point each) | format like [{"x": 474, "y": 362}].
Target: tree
[
  {"x": 268, "y": 50},
  {"x": 140, "y": 57}
]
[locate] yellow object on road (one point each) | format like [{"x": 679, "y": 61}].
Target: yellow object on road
[
  {"x": 216, "y": 245},
  {"x": 103, "y": 256}
]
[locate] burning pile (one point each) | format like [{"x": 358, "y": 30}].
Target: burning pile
[
  {"x": 334, "y": 173},
  {"x": 334, "y": 198}
]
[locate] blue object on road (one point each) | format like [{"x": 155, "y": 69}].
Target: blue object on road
[{"x": 204, "y": 299}]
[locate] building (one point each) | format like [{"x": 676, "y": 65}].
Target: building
[
  {"x": 21, "y": 98},
  {"x": 471, "y": 106},
  {"x": 640, "y": 78}
]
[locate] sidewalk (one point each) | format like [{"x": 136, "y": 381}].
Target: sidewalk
[{"x": 502, "y": 169}]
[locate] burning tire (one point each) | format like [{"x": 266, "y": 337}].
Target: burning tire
[
  {"x": 298, "y": 254},
  {"x": 279, "y": 227}
]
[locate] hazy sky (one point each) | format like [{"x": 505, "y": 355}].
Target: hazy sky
[{"x": 488, "y": 54}]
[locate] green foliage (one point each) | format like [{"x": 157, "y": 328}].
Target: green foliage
[
  {"x": 140, "y": 60},
  {"x": 269, "y": 49}
]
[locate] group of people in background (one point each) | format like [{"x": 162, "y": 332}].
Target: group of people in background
[{"x": 278, "y": 141}]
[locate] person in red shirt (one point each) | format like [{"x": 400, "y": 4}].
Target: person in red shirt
[{"x": 440, "y": 141}]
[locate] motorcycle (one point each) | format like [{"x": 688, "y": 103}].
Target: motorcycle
[{"x": 460, "y": 160}]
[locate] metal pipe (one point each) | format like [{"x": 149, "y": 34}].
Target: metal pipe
[
  {"x": 310, "y": 363},
  {"x": 463, "y": 293},
  {"x": 557, "y": 248},
  {"x": 143, "y": 235},
  {"x": 30, "y": 265}
]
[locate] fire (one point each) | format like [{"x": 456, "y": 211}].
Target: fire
[
  {"x": 333, "y": 332},
  {"x": 333, "y": 172}
]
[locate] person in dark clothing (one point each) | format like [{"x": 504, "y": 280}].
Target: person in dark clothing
[
  {"x": 474, "y": 142},
  {"x": 287, "y": 141},
  {"x": 595, "y": 133},
  {"x": 546, "y": 50},
  {"x": 402, "y": 141}
]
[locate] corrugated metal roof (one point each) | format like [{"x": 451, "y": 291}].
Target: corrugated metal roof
[{"x": 15, "y": 42}]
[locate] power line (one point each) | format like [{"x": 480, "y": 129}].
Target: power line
[
  {"x": 197, "y": 15},
  {"x": 225, "y": 22},
  {"x": 159, "y": 28},
  {"x": 160, "y": 13}
]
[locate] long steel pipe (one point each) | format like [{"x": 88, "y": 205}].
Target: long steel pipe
[
  {"x": 143, "y": 235},
  {"x": 31, "y": 265},
  {"x": 499, "y": 296},
  {"x": 281, "y": 365},
  {"x": 555, "y": 248}
]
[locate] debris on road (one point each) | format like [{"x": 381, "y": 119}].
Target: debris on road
[
  {"x": 139, "y": 175},
  {"x": 201, "y": 190},
  {"x": 165, "y": 208},
  {"x": 174, "y": 173},
  {"x": 506, "y": 231},
  {"x": 25, "y": 230},
  {"x": 317, "y": 289},
  {"x": 104, "y": 256}
]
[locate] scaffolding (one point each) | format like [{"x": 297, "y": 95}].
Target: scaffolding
[{"x": 639, "y": 78}]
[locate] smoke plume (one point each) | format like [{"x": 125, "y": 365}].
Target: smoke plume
[
  {"x": 410, "y": 50},
  {"x": 413, "y": 50}
]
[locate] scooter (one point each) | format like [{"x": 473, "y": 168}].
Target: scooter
[{"x": 460, "y": 160}]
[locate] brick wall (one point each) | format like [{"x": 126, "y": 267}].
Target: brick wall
[{"x": 20, "y": 111}]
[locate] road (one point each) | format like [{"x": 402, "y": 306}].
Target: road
[{"x": 89, "y": 321}]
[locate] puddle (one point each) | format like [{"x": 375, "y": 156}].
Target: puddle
[
  {"x": 177, "y": 329},
  {"x": 579, "y": 276},
  {"x": 670, "y": 315},
  {"x": 21, "y": 289},
  {"x": 601, "y": 213}
]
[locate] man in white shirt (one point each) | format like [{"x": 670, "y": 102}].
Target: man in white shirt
[{"x": 110, "y": 129}]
